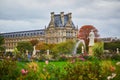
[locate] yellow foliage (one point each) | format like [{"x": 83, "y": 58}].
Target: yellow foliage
[
  {"x": 106, "y": 66},
  {"x": 33, "y": 66}
]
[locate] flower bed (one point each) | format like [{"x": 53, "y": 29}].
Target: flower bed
[{"x": 78, "y": 70}]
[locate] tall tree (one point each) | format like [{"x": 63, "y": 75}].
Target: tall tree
[
  {"x": 23, "y": 46},
  {"x": 64, "y": 47},
  {"x": 2, "y": 41},
  {"x": 44, "y": 46},
  {"x": 84, "y": 33}
]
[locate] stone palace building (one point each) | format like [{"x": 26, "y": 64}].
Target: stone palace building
[{"x": 59, "y": 29}]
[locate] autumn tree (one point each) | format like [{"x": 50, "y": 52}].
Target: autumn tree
[
  {"x": 84, "y": 33},
  {"x": 44, "y": 46},
  {"x": 34, "y": 42}
]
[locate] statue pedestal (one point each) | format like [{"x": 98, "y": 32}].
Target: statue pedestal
[
  {"x": 117, "y": 51},
  {"x": 90, "y": 51}
]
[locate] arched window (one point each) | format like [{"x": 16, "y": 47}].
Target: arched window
[
  {"x": 13, "y": 35},
  {"x": 16, "y": 35},
  {"x": 22, "y": 34},
  {"x": 34, "y": 33},
  {"x": 28, "y": 34},
  {"x": 40, "y": 32},
  {"x": 37, "y": 33},
  {"x": 31, "y": 34},
  {"x": 25, "y": 34},
  {"x": 10, "y": 35}
]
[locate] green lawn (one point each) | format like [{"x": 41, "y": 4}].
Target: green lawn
[{"x": 60, "y": 64}]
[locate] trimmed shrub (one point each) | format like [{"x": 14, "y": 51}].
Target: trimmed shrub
[
  {"x": 98, "y": 49},
  {"x": 91, "y": 70},
  {"x": 8, "y": 70}
]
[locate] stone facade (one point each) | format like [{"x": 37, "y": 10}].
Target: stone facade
[
  {"x": 60, "y": 29},
  {"x": 12, "y": 38}
]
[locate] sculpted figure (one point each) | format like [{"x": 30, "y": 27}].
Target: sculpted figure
[{"x": 91, "y": 38}]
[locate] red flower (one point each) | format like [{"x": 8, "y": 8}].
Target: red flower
[{"x": 112, "y": 68}]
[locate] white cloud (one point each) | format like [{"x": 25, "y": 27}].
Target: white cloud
[
  {"x": 35, "y": 14},
  {"x": 17, "y": 25}
]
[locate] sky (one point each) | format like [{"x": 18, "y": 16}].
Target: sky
[{"x": 23, "y": 15}]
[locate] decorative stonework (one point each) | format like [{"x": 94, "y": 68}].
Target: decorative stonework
[
  {"x": 60, "y": 29},
  {"x": 63, "y": 29}
]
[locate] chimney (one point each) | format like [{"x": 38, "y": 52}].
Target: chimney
[
  {"x": 62, "y": 17},
  {"x": 52, "y": 16},
  {"x": 70, "y": 16},
  {"x": 45, "y": 26}
]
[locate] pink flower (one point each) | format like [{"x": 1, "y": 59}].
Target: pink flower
[
  {"x": 46, "y": 62},
  {"x": 82, "y": 59},
  {"x": 24, "y": 72},
  {"x": 73, "y": 61}
]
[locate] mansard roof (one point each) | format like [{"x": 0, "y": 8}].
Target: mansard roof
[
  {"x": 58, "y": 21},
  {"x": 24, "y": 33}
]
